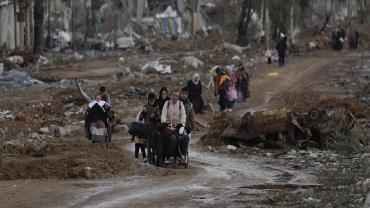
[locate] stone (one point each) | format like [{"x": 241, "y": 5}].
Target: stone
[
  {"x": 45, "y": 130},
  {"x": 192, "y": 62},
  {"x": 72, "y": 129},
  {"x": 231, "y": 147},
  {"x": 22, "y": 117},
  {"x": 34, "y": 136},
  {"x": 58, "y": 131}
]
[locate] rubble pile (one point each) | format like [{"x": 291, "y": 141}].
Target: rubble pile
[{"x": 275, "y": 128}]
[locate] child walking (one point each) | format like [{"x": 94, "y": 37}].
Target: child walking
[{"x": 139, "y": 146}]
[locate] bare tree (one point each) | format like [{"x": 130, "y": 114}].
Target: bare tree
[
  {"x": 39, "y": 25},
  {"x": 244, "y": 21}
]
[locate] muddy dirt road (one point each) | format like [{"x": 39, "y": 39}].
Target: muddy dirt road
[{"x": 212, "y": 179}]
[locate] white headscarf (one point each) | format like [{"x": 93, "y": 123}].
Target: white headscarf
[
  {"x": 100, "y": 103},
  {"x": 196, "y": 78}
]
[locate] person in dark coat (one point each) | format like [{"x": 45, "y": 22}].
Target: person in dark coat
[
  {"x": 151, "y": 117},
  {"x": 162, "y": 98},
  {"x": 96, "y": 121},
  {"x": 195, "y": 90},
  {"x": 242, "y": 84},
  {"x": 353, "y": 42},
  {"x": 281, "y": 48}
]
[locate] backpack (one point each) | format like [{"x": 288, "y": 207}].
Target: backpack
[{"x": 168, "y": 105}]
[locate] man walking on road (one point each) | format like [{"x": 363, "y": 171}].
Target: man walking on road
[{"x": 281, "y": 48}]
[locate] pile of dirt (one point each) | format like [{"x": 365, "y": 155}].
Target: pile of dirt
[
  {"x": 217, "y": 126},
  {"x": 69, "y": 158}
]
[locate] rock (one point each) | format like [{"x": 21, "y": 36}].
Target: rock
[
  {"x": 231, "y": 147},
  {"x": 45, "y": 130},
  {"x": 22, "y": 117},
  {"x": 34, "y": 136},
  {"x": 192, "y": 62},
  {"x": 72, "y": 129},
  {"x": 234, "y": 48},
  {"x": 38, "y": 148},
  {"x": 57, "y": 131}
]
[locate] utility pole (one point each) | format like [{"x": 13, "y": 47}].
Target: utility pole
[{"x": 15, "y": 24}]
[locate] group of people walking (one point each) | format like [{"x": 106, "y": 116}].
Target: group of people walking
[
  {"x": 231, "y": 84},
  {"x": 171, "y": 110}
]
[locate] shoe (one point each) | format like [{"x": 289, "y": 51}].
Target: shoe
[
  {"x": 145, "y": 161},
  {"x": 136, "y": 160},
  {"x": 182, "y": 160}
]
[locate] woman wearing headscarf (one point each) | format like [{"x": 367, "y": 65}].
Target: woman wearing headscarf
[
  {"x": 231, "y": 94},
  {"x": 96, "y": 121},
  {"x": 195, "y": 89},
  {"x": 162, "y": 98}
]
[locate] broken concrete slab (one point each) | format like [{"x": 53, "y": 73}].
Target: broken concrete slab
[
  {"x": 72, "y": 129},
  {"x": 155, "y": 65},
  {"x": 45, "y": 130},
  {"x": 234, "y": 48},
  {"x": 58, "y": 131},
  {"x": 193, "y": 62}
]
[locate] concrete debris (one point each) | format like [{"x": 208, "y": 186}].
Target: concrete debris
[
  {"x": 22, "y": 117},
  {"x": 193, "y": 62},
  {"x": 61, "y": 40},
  {"x": 277, "y": 127},
  {"x": 38, "y": 147},
  {"x": 16, "y": 59},
  {"x": 234, "y": 48},
  {"x": 6, "y": 115},
  {"x": 45, "y": 130},
  {"x": 236, "y": 59},
  {"x": 43, "y": 60},
  {"x": 58, "y": 131},
  {"x": 15, "y": 78},
  {"x": 35, "y": 136},
  {"x": 77, "y": 56},
  {"x": 126, "y": 42},
  {"x": 155, "y": 65},
  {"x": 71, "y": 130},
  {"x": 231, "y": 147}
]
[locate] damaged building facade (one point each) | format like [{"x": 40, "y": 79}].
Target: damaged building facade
[{"x": 85, "y": 23}]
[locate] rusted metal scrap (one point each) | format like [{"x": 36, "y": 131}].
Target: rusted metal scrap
[{"x": 317, "y": 127}]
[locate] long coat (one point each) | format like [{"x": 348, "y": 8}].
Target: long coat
[{"x": 195, "y": 96}]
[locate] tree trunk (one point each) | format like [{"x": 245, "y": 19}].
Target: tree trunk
[
  {"x": 291, "y": 22},
  {"x": 39, "y": 26},
  {"x": 267, "y": 24},
  {"x": 244, "y": 20}
]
